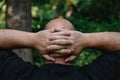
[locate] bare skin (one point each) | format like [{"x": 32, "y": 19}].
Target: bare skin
[
  {"x": 65, "y": 42},
  {"x": 106, "y": 41},
  {"x": 10, "y": 39},
  {"x": 59, "y": 48}
]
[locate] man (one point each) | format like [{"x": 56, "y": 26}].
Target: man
[{"x": 64, "y": 45}]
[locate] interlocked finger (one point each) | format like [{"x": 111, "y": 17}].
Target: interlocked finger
[
  {"x": 61, "y": 42},
  {"x": 56, "y": 55},
  {"x": 55, "y": 47},
  {"x": 49, "y": 58},
  {"x": 59, "y": 37},
  {"x": 70, "y": 58},
  {"x": 61, "y": 53},
  {"x": 62, "y": 33}
]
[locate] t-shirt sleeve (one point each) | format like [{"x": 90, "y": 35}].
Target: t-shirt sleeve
[{"x": 12, "y": 67}]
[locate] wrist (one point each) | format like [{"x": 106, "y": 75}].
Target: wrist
[
  {"x": 87, "y": 40},
  {"x": 81, "y": 39},
  {"x": 90, "y": 40},
  {"x": 96, "y": 40},
  {"x": 37, "y": 41},
  {"x": 31, "y": 40}
]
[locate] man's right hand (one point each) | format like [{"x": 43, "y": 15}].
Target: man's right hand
[
  {"x": 41, "y": 42},
  {"x": 79, "y": 42},
  {"x": 85, "y": 40}
]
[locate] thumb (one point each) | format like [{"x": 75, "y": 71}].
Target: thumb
[
  {"x": 48, "y": 57},
  {"x": 58, "y": 29},
  {"x": 70, "y": 58},
  {"x": 52, "y": 30}
]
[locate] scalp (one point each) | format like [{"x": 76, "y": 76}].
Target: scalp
[{"x": 60, "y": 23}]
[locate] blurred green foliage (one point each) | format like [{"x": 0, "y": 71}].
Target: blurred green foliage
[
  {"x": 86, "y": 15},
  {"x": 2, "y": 14}
]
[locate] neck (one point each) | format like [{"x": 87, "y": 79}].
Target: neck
[{"x": 58, "y": 61}]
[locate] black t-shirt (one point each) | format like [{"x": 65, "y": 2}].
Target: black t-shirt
[{"x": 106, "y": 67}]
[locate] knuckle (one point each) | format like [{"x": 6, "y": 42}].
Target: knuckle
[
  {"x": 47, "y": 58},
  {"x": 72, "y": 51},
  {"x": 51, "y": 38},
  {"x": 68, "y": 51},
  {"x": 66, "y": 38},
  {"x": 55, "y": 42},
  {"x": 45, "y": 49},
  {"x": 52, "y": 47},
  {"x": 68, "y": 42},
  {"x": 68, "y": 33}
]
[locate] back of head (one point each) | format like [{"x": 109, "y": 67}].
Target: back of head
[{"x": 59, "y": 23}]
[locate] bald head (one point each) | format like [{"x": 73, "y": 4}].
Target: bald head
[{"x": 60, "y": 23}]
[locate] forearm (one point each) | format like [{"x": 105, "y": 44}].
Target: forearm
[
  {"x": 10, "y": 39},
  {"x": 108, "y": 41}
]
